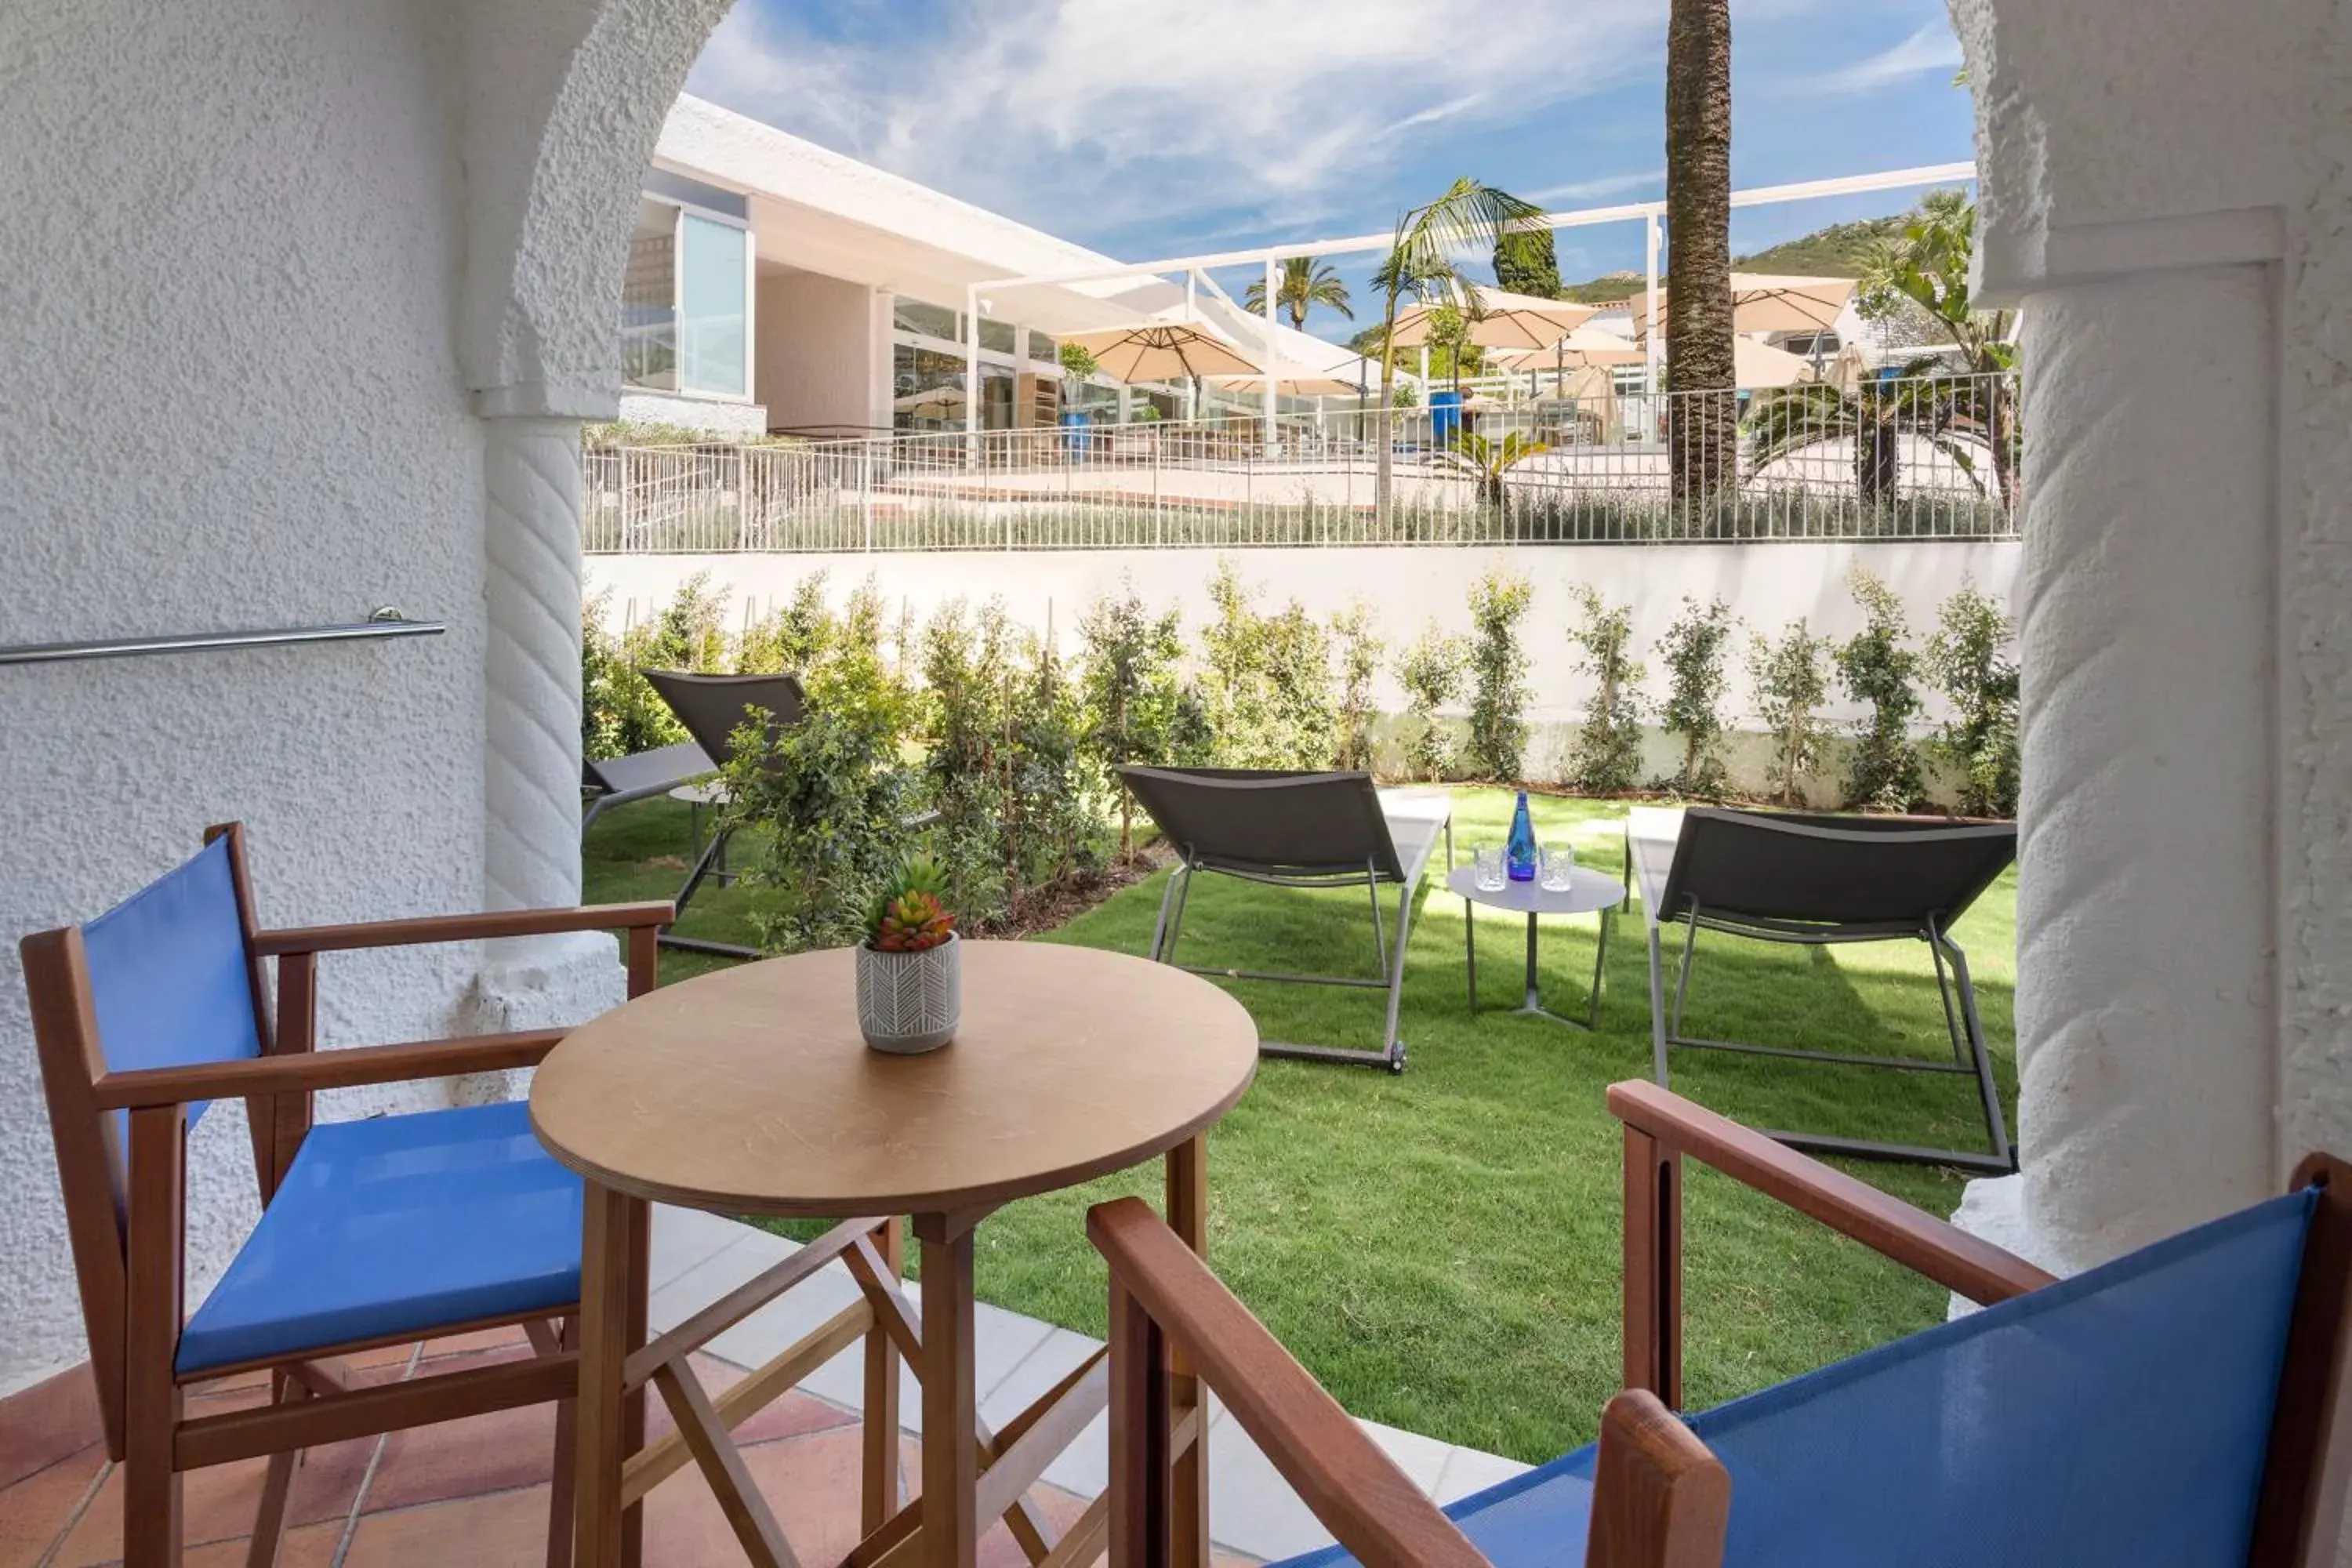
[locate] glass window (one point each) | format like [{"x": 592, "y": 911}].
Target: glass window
[
  {"x": 926, "y": 320},
  {"x": 926, "y": 389},
  {"x": 1041, "y": 348},
  {"x": 996, "y": 336},
  {"x": 713, "y": 314},
  {"x": 649, "y": 301}
]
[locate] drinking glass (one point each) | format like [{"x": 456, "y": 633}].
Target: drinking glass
[
  {"x": 1489, "y": 875},
  {"x": 1558, "y": 867}
]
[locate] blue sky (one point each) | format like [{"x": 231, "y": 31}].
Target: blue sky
[{"x": 1155, "y": 130}]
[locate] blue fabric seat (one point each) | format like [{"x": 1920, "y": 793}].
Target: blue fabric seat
[
  {"x": 393, "y": 1228},
  {"x": 2118, "y": 1419}
]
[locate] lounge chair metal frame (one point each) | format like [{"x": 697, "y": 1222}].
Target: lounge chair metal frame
[
  {"x": 712, "y": 706},
  {"x": 640, "y": 775},
  {"x": 1383, "y": 866},
  {"x": 1954, "y": 987}
]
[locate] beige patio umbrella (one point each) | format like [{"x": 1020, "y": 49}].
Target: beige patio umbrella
[
  {"x": 1759, "y": 364},
  {"x": 1297, "y": 385},
  {"x": 1772, "y": 302},
  {"x": 1584, "y": 347},
  {"x": 1162, "y": 351},
  {"x": 1506, "y": 320}
]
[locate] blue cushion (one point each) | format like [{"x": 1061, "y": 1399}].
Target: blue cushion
[
  {"x": 170, "y": 980},
  {"x": 397, "y": 1227},
  {"x": 2115, "y": 1419}
]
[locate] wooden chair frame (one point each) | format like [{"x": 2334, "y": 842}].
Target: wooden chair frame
[
  {"x": 131, "y": 1260},
  {"x": 1659, "y": 1498}
]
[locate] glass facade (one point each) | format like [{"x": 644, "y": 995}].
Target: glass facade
[
  {"x": 926, "y": 367},
  {"x": 686, "y": 303}
]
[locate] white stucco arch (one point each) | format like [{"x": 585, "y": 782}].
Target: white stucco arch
[{"x": 2165, "y": 185}]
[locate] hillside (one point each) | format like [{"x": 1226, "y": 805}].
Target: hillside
[{"x": 1836, "y": 251}]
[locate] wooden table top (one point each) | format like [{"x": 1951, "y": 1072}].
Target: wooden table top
[{"x": 750, "y": 1091}]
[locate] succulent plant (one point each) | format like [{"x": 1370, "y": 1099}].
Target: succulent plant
[{"x": 910, "y": 913}]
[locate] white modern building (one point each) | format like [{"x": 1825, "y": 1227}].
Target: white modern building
[{"x": 772, "y": 285}]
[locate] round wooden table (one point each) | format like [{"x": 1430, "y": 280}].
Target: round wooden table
[{"x": 750, "y": 1091}]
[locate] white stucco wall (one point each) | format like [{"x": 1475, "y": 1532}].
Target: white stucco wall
[
  {"x": 246, "y": 384},
  {"x": 819, "y": 365},
  {"x": 2175, "y": 194},
  {"x": 271, "y": 264},
  {"x": 1766, "y": 586}
]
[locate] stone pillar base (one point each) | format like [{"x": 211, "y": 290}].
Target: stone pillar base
[
  {"x": 536, "y": 982},
  {"x": 1992, "y": 1208}
]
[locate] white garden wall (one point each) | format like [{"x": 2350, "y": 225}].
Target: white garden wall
[{"x": 1766, "y": 586}]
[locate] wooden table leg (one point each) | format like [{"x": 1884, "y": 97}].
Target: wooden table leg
[
  {"x": 611, "y": 1420},
  {"x": 881, "y": 1431},
  {"x": 950, "y": 1403},
  {"x": 1188, "y": 1216}
]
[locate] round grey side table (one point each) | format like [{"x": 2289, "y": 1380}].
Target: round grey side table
[{"x": 1587, "y": 891}]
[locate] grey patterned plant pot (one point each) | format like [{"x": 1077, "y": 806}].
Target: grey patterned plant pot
[{"x": 909, "y": 1002}]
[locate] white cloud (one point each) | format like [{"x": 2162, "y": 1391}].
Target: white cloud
[
  {"x": 1931, "y": 48},
  {"x": 1123, "y": 112},
  {"x": 1604, "y": 186}
]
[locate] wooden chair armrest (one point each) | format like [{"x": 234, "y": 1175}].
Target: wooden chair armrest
[
  {"x": 1944, "y": 1253},
  {"x": 1358, "y": 1491},
  {"x": 428, "y": 929},
  {"x": 301, "y": 1072}
]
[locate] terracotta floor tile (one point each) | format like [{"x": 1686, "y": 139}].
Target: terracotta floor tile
[
  {"x": 218, "y": 1503},
  {"x": 505, "y": 1529},
  {"x": 810, "y": 1483},
  {"x": 479, "y": 1340},
  {"x": 43, "y": 1424},
  {"x": 492, "y": 1453},
  {"x": 33, "y": 1512},
  {"x": 314, "y": 1547},
  {"x": 790, "y": 1415}
]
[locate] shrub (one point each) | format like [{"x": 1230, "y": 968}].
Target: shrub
[
  {"x": 1968, "y": 661},
  {"x": 1875, "y": 669},
  {"x": 1792, "y": 683},
  {"x": 1265, "y": 682},
  {"x": 1054, "y": 824},
  {"x": 832, "y": 791},
  {"x": 792, "y": 637},
  {"x": 1498, "y": 675},
  {"x": 1695, "y": 649},
  {"x": 968, "y": 681},
  {"x": 1606, "y": 755},
  {"x": 620, "y": 712},
  {"x": 1431, "y": 671},
  {"x": 1360, "y": 647},
  {"x": 1136, "y": 707}
]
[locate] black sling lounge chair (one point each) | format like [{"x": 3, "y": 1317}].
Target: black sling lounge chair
[
  {"x": 1298, "y": 830},
  {"x": 713, "y": 708},
  {"x": 1785, "y": 877},
  {"x": 640, "y": 775}
]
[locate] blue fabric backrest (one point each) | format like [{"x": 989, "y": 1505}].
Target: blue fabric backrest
[
  {"x": 169, "y": 974},
  {"x": 2119, "y": 1417}
]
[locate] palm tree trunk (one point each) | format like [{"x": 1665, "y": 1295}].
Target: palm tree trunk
[
  {"x": 1382, "y": 475},
  {"x": 2000, "y": 417},
  {"x": 1703, "y": 408}
]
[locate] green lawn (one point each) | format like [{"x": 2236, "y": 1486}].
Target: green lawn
[{"x": 1441, "y": 1249}]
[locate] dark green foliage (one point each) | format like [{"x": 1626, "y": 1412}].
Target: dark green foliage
[
  {"x": 1606, "y": 755},
  {"x": 1875, "y": 669},
  {"x": 1431, "y": 671},
  {"x": 1498, "y": 676},
  {"x": 619, "y": 711},
  {"x": 1527, "y": 263},
  {"x": 1695, "y": 650},
  {"x": 1360, "y": 647},
  {"x": 1792, "y": 683},
  {"x": 1137, "y": 706},
  {"x": 1266, "y": 681},
  {"x": 1967, "y": 660},
  {"x": 831, "y": 793}
]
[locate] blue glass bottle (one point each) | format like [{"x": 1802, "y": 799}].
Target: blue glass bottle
[{"x": 1519, "y": 852}]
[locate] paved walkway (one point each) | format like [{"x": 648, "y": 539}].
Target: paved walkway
[{"x": 475, "y": 1492}]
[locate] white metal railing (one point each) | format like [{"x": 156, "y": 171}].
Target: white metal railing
[{"x": 1924, "y": 458}]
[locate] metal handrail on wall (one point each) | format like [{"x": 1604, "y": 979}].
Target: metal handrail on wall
[{"x": 382, "y": 623}]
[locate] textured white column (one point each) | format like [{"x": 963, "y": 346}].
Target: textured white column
[
  {"x": 531, "y": 714},
  {"x": 2146, "y": 1002},
  {"x": 531, "y": 707}
]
